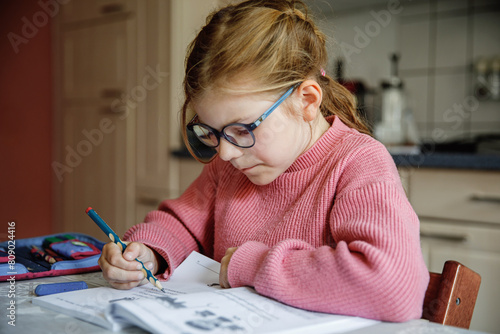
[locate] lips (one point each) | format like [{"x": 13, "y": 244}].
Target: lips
[{"x": 243, "y": 170}]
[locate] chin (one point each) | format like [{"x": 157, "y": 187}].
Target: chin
[{"x": 260, "y": 179}]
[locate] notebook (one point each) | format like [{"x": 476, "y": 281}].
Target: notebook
[{"x": 194, "y": 303}]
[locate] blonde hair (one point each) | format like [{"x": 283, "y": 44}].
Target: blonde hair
[{"x": 276, "y": 44}]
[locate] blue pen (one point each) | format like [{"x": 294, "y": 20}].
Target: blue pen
[
  {"x": 116, "y": 239},
  {"x": 51, "y": 288}
]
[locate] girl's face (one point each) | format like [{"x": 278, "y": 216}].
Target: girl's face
[{"x": 279, "y": 139}]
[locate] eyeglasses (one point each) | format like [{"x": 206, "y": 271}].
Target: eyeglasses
[{"x": 238, "y": 134}]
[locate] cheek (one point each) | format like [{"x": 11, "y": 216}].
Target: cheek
[
  {"x": 275, "y": 130},
  {"x": 267, "y": 137},
  {"x": 279, "y": 140},
  {"x": 274, "y": 152}
]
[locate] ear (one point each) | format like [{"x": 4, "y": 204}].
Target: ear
[{"x": 310, "y": 95}]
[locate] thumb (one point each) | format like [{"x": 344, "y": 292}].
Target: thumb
[{"x": 134, "y": 250}]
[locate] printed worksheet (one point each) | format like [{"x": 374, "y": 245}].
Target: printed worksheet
[
  {"x": 196, "y": 274},
  {"x": 194, "y": 303},
  {"x": 237, "y": 310}
]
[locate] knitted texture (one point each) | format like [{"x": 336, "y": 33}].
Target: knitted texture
[{"x": 335, "y": 233}]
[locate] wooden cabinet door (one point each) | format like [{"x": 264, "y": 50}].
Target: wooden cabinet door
[
  {"x": 94, "y": 63},
  {"x": 97, "y": 171},
  {"x": 460, "y": 195},
  {"x": 84, "y": 10},
  {"x": 96, "y": 151}
]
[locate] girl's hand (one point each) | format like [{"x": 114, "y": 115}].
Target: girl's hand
[
  {"x": 224, "y": 264},
  {"x": 121, "y": 270}
]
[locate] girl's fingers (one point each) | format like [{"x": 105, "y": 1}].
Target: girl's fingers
[
  {"x": 224, "y": 264},
  {"x": 116, "y": 274},
  {"x": 134, "y": 250},
  {"x": 121, "y": 270},
  {"x": 126, "y": 285},
  {"x": 112, "y": 254},
  {"x": 118, "y": 270}
]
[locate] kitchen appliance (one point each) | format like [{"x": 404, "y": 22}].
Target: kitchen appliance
[
  {"x": 487, "y": 78},
  {"x": 396, "y": 126}
]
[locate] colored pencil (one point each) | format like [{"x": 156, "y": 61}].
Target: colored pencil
[{"x": 116, "y": 239}]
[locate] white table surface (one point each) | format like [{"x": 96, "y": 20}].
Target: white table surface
[{"x": 34, "y": 319}]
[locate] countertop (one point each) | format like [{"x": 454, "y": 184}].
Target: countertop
[
  {"x": 449, "y": 160},
  {"x": 426, "y": 160},
  {"x": 481, "y": 152}
]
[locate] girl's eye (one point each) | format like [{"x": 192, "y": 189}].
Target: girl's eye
[{"x": 242, "y": 132}]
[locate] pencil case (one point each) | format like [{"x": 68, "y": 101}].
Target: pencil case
[
  {"x": 70, "y": 247},
  {"x": 16, "y": 259}
]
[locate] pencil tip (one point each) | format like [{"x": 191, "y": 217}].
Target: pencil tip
[{"x": 88, "y": 209}]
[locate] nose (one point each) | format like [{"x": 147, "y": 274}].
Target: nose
[{"x": 228, "y": 151}]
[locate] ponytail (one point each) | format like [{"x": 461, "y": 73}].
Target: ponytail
[{"x": 337, "y": 100}]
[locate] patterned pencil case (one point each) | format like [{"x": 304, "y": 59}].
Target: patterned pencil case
[{"x": 50, "y": 255}]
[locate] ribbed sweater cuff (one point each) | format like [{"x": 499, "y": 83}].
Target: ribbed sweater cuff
[{"x": 245, "y": 263}]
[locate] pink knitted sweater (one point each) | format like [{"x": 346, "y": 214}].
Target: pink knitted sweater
[{"x": 335, "y": 233}]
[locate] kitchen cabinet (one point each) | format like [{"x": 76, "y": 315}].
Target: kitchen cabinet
[
  {"x": 94, "y": 155},
  {"x": 459, "y": 213},
  {"x": 460, "y": 195},
  {"x": 118, "y": 68},
  {"x": 159, "y": 174},
  {"x": 81, "y": 12}
]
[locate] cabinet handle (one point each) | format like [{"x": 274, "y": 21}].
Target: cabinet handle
[
  {"x": 111, "y": 8},
  {"x": 150, "y": 201},
  {"x": 117, "y": 110},
  {"x": 444, "y": 237},
  {"x": 485, "y": 198},
  {"x": 111, "y": 93}
]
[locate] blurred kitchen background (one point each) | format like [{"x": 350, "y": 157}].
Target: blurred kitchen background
[
  {"x": 449, "y": 61},
  {"x": 91, "y": 90}
]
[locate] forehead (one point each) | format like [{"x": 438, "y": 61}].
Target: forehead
[{"x": 219, "y": 107}]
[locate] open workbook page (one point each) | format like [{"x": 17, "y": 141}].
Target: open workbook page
[{"x": 194, "y": 304}]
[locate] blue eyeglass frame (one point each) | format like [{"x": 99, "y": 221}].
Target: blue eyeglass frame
[{"x": 250, "y": 127}]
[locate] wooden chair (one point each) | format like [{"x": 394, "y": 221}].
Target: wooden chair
[{"x": 451, "y": 296}]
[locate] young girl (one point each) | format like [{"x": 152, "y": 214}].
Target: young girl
[{"x": 299, "y": 201}]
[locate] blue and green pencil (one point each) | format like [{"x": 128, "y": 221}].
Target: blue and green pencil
[{"x": 116, "y": 239}]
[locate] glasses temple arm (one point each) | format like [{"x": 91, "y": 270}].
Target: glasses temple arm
[{"x": 275, "y": 105}]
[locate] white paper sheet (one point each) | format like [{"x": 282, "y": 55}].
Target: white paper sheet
[
  {"x": 194, "y": 303},
  {"x": 197, "y": 273}
]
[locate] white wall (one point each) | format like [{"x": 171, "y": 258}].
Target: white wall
[{"x": 438, "y": 42}]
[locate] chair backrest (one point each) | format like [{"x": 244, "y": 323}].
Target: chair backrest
[{"x": 451, "y": 296}]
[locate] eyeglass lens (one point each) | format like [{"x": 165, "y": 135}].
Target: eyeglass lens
[
  {"x": 206, "y": 135},
  {"x": 235, "y": 134}
]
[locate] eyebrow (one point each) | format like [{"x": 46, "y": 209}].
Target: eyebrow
[{"x": 237, "y": 120}]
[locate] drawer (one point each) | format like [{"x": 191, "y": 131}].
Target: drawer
[
  {"x": 81, "y": 10},
  {"x": 456, "y": 194},
  {"x": 463, "y": 236}
]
